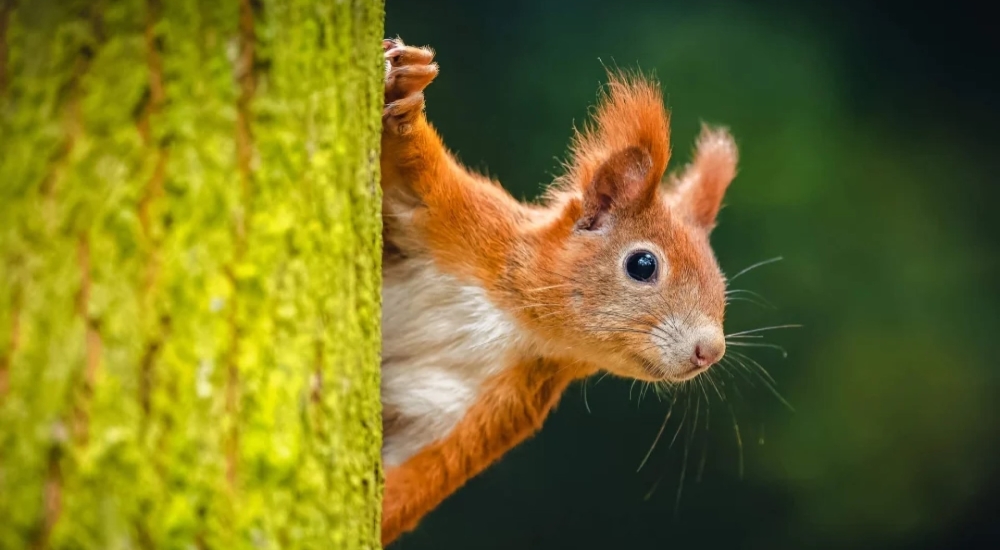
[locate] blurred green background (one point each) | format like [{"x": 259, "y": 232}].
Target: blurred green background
[{"x": 867, "y": 133}]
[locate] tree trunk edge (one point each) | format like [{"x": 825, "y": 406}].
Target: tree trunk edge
[{"x": 190, "y": 274}]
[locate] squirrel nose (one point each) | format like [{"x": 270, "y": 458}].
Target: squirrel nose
[{"x": 708, "y": 352}]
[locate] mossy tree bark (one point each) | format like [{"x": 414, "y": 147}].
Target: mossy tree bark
[{"x": 189, "y": 273}]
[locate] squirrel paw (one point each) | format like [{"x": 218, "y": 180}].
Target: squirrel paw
[{"x": 408, "y": 70}]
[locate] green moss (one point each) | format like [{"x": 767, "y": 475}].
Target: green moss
[{"x": 189, "y": 343}]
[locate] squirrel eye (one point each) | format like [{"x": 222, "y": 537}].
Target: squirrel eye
[{"x": 641, "y": 266}]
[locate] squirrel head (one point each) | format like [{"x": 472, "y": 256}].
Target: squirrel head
[{"x": 627, "y": 257}]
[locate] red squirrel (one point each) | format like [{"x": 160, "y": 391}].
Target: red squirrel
[{"x": 491, "y": 307}]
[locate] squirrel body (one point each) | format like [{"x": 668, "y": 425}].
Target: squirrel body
[
  {"x": 491, "y": 307},
  {"x": 444, "y": 340}
]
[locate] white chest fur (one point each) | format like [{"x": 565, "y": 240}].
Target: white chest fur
[{"x": 441, "y": 339}]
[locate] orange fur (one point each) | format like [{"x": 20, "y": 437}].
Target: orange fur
[
  {"x": 703, "y": 183},
  {"x": 556, "y": 268},
  {"x": 630, "y": 113},
  {"x": 523, "y": 395}
]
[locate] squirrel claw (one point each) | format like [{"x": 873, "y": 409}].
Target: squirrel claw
[
  {"x": 398, "y": 115},
  {"x": 408, "y": 71},
  {"x": 408, "y": 80}
]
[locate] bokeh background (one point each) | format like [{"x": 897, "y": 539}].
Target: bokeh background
[{"x": 869, "y": 154}]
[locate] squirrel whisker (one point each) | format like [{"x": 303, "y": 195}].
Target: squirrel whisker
[
  {"x": 755, "y": 266},
  {"x": 762, "y": 329},
  {"x": 784, "y": 352}
]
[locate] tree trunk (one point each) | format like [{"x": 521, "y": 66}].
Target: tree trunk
[{"x": 189, "y": 273}]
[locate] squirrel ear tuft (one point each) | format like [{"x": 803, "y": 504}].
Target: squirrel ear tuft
[
  {"x": 701, "y": 187},
  {"x": 625, "y": 180}
]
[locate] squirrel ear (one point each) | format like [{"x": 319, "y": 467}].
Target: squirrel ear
[
  {"x": 700, "y": 189},
  {"x": 624, "y": 180}
]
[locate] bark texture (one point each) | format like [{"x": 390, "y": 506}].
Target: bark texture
[{"x": 190, "y": 244}]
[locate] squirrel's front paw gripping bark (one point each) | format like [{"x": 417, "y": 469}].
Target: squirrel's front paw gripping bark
[{"x": 408, "y": 70}]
